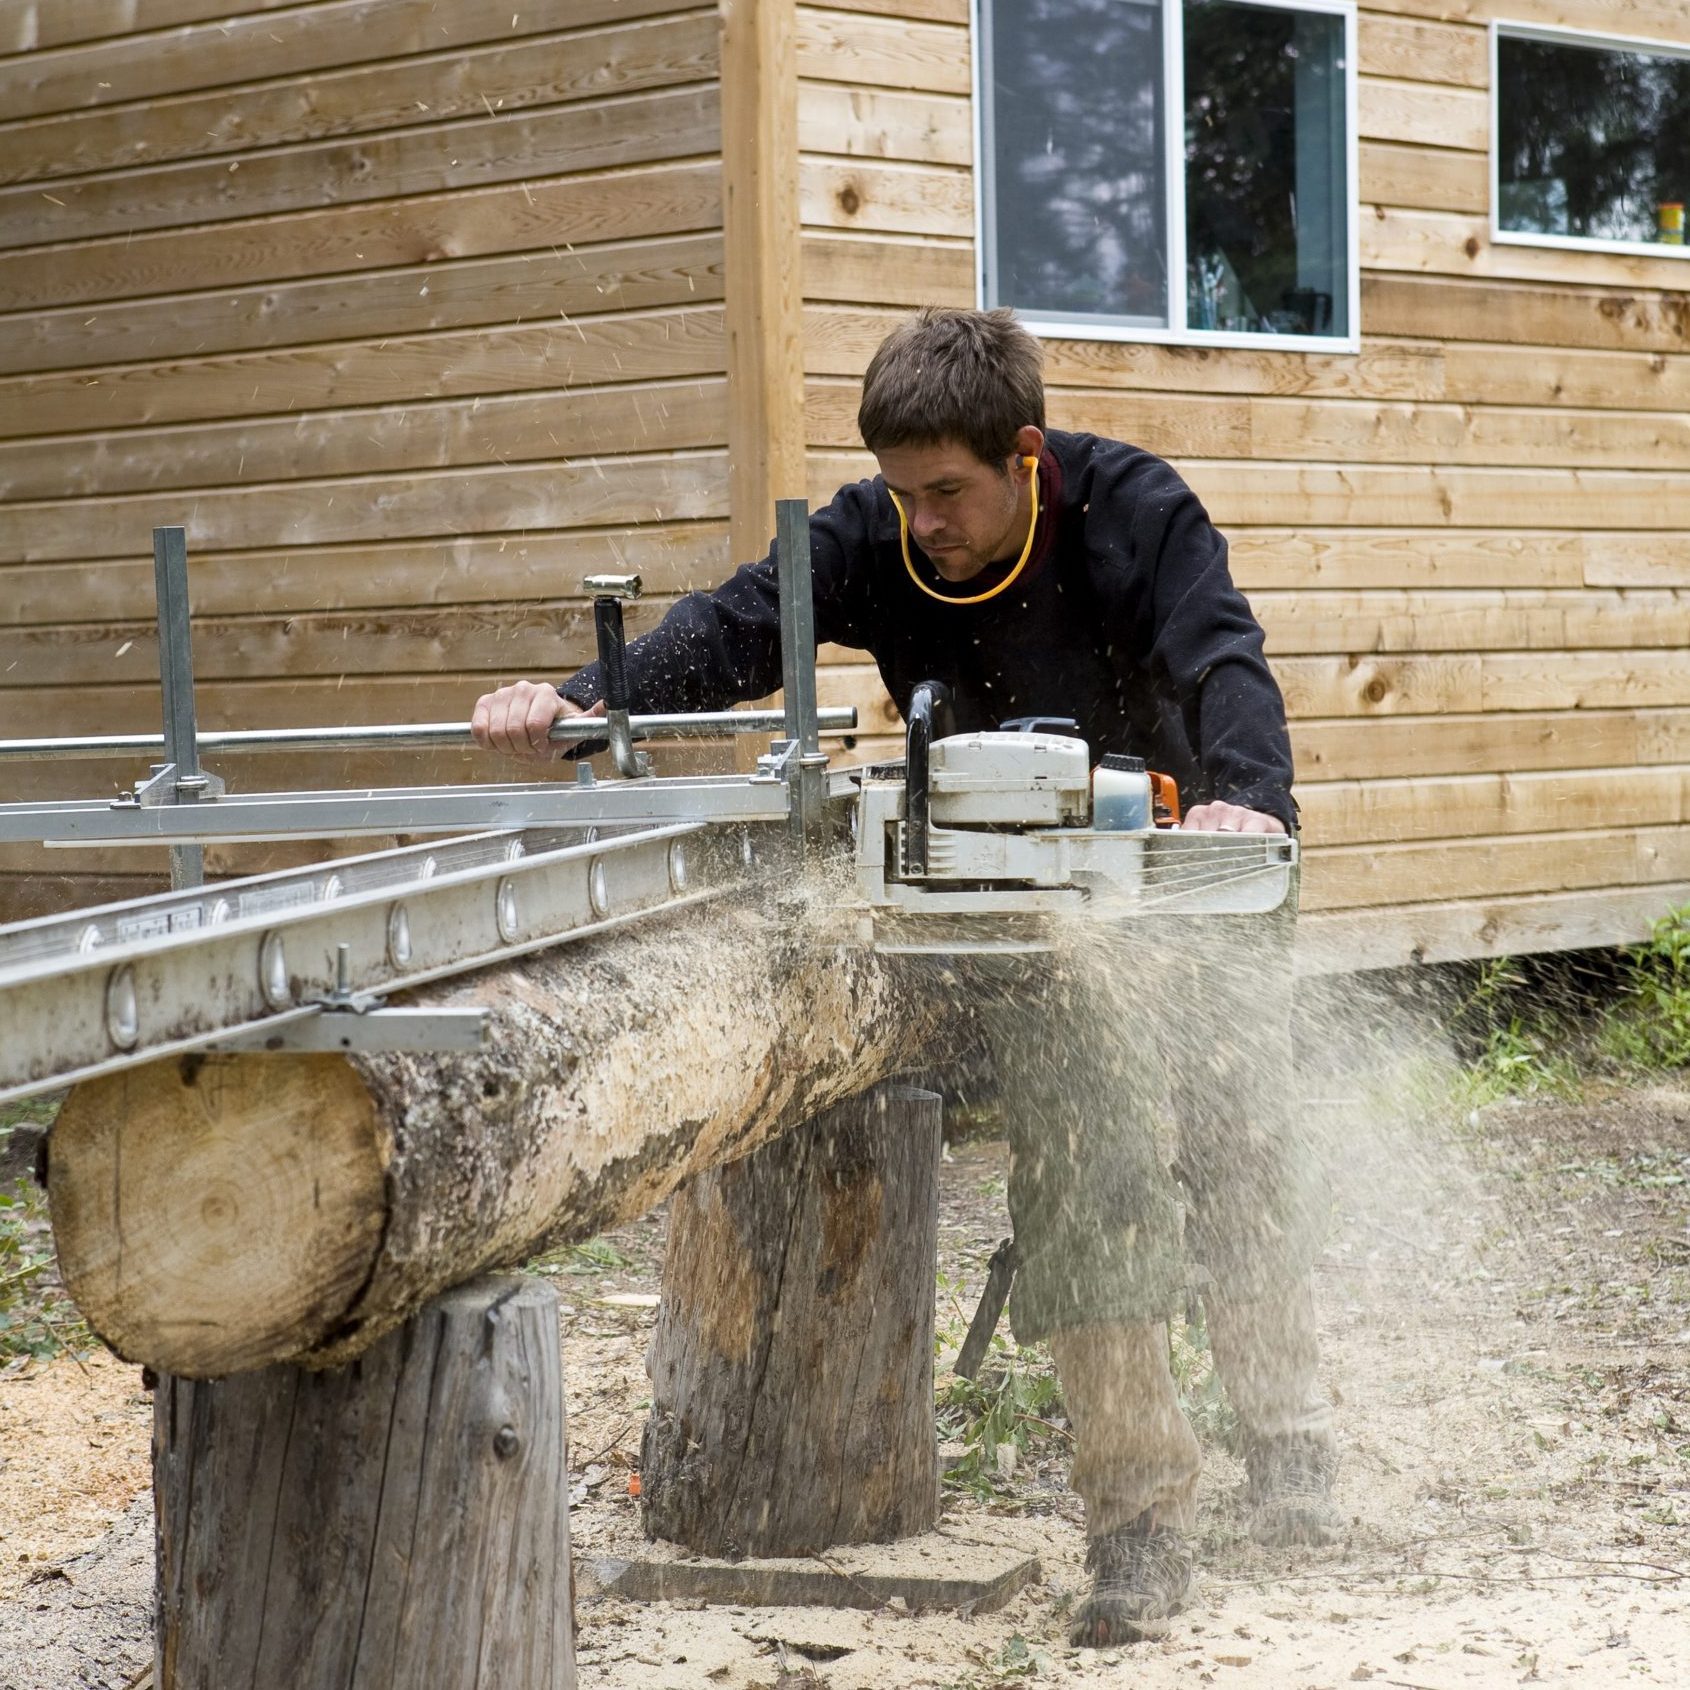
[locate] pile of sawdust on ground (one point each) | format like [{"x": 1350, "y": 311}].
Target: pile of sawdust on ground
[
  {"x": 1515, "y": 1421},
  {"x": 74, "y": 1438}
]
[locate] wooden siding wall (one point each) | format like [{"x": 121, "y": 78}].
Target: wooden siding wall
[
  {"x": 410, "y": 310},
  {"x": 1467, "y": 544}
]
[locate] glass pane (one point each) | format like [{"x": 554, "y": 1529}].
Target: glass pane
[
  {"x": 1075, "y": 207},
  {"x": 1266, "y": 189},
  {"x": 1591, "y": 141}
]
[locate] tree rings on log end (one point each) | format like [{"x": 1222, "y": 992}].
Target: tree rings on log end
[{"x": 218, "y": 1213}]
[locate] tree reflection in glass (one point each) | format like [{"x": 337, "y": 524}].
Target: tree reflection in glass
[
  {"x": 1266, "y": 197},
  {"x": 1074, "y": 120},
  {"x": 1592, "y": 141}
]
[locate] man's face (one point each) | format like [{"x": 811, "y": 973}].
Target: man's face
[{"x": 963, "y": 513}]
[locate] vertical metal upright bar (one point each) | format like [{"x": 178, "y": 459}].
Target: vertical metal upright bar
[
  {"x": 798, "y": 661},
  {"x": 176, "y": 677}
]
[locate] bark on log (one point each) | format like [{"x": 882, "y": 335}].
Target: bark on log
[
  {"x": 398, "y": 1522},
  {"x": 792, "y": 1362},
  {"x": 226, "y": 1213}
]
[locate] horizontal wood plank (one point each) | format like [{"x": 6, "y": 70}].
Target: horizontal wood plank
[
  {"x": 431, "y": 88},
  {"x": 882, "y": 270},
  {"x": 615, "y": 205},
  {"x": 885, "y": 198},
  {"x": 1352, "y": 876},
  {"x": 1342, "y": 942},
  {"x": 1423, "y": 114},
  {"x": 562, "y": 353},
  {"x": 1446, "y": 244},
  {"x": 1426, "y": 178},
  {"x": 549, "y": 284},
  {"x": 1392, "y": 496},
  {"x": 300, "y": 39},
  {"x": 1263, "y": 558},
  {"x": 1423, "y": 50},
  {"x": 1662, "y": 20},
  {"x": 629, "y": 129},
  {"x": 1386, "y": 811},
  {"x": 535, "y": 637},
  {"x": 1306, "y": 621},
  {"x": 1611, "y": 317},
  {"x": 500, "y": 428},
  {"x": 856, "y": 122},
  {"x": 870, "y": 50},
  {"x": 1503, "y": 742},
  {"x": 596, "y": 492},
  {"x": 27, "y": 26},
  {"x": 489, "y": 570}
]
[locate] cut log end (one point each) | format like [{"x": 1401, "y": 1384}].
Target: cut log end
[{"x": 212, "y": 1210}]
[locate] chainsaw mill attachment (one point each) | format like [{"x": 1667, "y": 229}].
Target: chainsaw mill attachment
[{"x": 975, "y": 843}]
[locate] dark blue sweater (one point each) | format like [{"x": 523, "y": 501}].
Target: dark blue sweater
[{"x": 1126, "y": 620}]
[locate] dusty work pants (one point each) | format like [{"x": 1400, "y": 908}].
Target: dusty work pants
[
  {"x": 1134, "y": 1450},
  {"x": 1144, "y": 1071}
]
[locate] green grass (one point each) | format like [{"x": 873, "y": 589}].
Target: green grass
[{"x": 37, "y": 1320}]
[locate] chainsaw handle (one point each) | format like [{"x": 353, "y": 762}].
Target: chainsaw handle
[{"x": 929, "y": 716}]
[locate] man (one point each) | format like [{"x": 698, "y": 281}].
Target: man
[{"x": 1059, "y": 574}]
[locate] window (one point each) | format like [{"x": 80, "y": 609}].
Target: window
[
  {"x": 1102, "y": 215},
  {"x": 1592, "y": 140}
]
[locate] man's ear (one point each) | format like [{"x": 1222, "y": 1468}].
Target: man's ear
[{"x": 1029, "y": 443}]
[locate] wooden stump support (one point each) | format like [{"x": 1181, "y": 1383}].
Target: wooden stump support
[
  {"x": 792, "y": 1361},
  {"x": 396, "y": 1522}
]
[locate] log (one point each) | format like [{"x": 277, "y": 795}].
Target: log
[
  {"x": 396, "y": 1522},
  {"x": 792, "y": 1361},
  {"x": 219, "y": 1214}
]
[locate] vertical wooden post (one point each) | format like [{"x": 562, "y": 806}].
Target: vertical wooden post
[
  {"x": 397, "y": 1522},
  {"x": 764, "y": 288},
  {"x": 792, "y": 1362}
]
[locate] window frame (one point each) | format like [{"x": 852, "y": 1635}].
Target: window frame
[
  {"x": 1178, "y": 331},
  {"x": 1586, "y": 38}
]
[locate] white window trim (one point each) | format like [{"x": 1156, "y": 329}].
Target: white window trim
[
  {"x": 1584, "y": 38},
  {"x": 1178, "y": 332}
]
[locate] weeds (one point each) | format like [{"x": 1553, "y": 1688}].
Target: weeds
[
  {"x": 1650, "y": 1027},
  {"x": 37, "y": 1320},
  {"x": 1211, "y": 1415},
  {"x": 999, "y": 1417},
  {"x": 1519, "y": 1051}
]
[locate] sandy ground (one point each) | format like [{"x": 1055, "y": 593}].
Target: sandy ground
[{"x": 1506, "y": 1323}]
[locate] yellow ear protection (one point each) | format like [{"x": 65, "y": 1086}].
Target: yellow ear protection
[{"x": 1007, "y": 582}]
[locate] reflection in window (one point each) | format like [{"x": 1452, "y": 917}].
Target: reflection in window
[
  {"x": 1266, "y": 193},
  {"x": 1073, "y": 115},
  {"x": 1168, "y": 165},
  {"x": 1592, "y": 141}
]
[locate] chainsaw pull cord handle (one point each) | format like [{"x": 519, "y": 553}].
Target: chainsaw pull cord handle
[{"x": 929, "y": 716}]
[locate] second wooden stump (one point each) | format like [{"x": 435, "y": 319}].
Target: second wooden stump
[{"x": 792, "y": 1362}]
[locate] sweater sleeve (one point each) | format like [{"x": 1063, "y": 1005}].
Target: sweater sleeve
[
  {"x": 1207, "y": 646},
  {"x": 720, "y": 648}
]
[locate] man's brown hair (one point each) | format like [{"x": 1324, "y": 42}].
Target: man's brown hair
[{"x": 945, "y": 374}]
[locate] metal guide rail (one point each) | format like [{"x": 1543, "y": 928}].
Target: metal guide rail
[
  {"x": 303, "y": 959},
  {"x": 248, "y": 963}
]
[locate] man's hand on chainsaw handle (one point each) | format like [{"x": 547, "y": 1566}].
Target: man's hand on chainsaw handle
[
  {"x": 1228, "y": 818},
  {"x": 518, "y": 718}
]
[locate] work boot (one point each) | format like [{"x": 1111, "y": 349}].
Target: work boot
[
  {"x": 1139, "y": 1577},
  {"x": 1290, "y": 1490}
]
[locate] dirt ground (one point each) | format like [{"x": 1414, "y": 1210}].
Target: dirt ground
[{"x": 1506, "y": 1325}]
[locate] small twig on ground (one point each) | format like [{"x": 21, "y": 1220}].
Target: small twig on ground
[
  {"x": 26, "y": 1273},
  {"x": 59, "y": 1338},
  {"x": 1049, "y": 1425},
  {"x": 598, "y": 1455},
  {"x": 850, "y": 1579}
]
